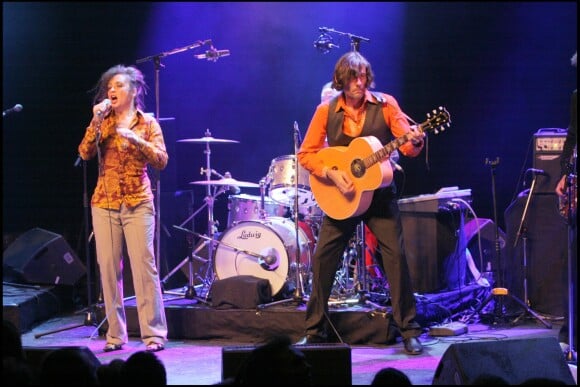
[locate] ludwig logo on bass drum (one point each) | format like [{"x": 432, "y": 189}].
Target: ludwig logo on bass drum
[{"x": 249, "y": 235}]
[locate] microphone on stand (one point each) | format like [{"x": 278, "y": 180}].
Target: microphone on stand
[
  {"x": 297, "y": 136},
  {"x": 393, "y": 158},
  {"x": 324, "y": 44},
  {"x": 233, "y": 188},
  {"x": 212, "y": 54},
  {"x": 396, "y": 165},
  {"x": 14, "y": 109}
]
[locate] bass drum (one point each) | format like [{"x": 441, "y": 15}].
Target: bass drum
[{"x": 264, "y": 249}]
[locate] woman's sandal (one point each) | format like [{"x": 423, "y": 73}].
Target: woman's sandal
[
  {"x": 154, "y": 347},
  {"x": 110, "y": 347}
]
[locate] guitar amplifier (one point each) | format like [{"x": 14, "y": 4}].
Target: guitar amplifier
[{"x": 548, "y": 145}]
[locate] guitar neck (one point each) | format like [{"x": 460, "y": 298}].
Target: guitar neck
[{"x": 379, "y": 155}]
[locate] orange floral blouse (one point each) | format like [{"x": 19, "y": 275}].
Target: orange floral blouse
[{"x": 123, "y": 174}]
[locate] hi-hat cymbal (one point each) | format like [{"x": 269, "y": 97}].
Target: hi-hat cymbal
[
  {"x": 227, "y": 181},
  {"x": 207, "y": 140}
]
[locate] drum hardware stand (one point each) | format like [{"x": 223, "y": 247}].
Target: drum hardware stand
[
  {"x": 499, "y": 292},
  {"x": 263, "y": 183},
  {"x": 298, "y": 295},
  {"x": 203, "y": 260},
  {"x": 211, "y": 225}
]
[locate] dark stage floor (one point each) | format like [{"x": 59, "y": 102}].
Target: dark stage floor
[{"x": 203, "y": 338}]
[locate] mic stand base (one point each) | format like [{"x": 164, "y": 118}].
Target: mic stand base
[
  {"x": 570, "y": 356},
  {"x": 90, "y": 320},
  {"x": 498, "y": 294}
]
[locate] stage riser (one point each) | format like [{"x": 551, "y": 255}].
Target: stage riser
[{"x": 250, "y": 326}]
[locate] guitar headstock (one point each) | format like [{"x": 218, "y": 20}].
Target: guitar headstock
[{"x": 437, "y": 120}]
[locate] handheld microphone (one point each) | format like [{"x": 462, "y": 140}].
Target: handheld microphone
[
  {"x": 213, "y": 54},
  {"x": 14, "y": 109},
  {"x": 105, "y": 106}
]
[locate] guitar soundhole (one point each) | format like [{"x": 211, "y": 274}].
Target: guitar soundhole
[{"x": 357, "y": 168}]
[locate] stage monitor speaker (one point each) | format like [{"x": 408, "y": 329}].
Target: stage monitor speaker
[
  {"x": 548, "y": 146},
  {"x": 544, "y": 264},
  {"x": 42, "y": 257},
  {"x": 515, "y": 361},
  {"x": 331, "y": 363}
]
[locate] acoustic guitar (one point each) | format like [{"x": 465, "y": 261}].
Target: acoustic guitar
[{"x": 365, "y": 160}]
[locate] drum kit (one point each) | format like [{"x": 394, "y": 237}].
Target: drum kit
[
  {"x": 269, "y": 236},
  {"x": 262, "y": 238}
]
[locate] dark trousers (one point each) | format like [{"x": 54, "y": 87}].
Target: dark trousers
[{"x": 383, "y": 219}]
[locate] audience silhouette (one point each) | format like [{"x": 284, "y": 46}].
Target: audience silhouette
[
  {"x": 390, "y": 376},
  {"x": 144, "y": 368},
  {"x": 68, "y": 366},
  {"x": 15, "y": 368},
  {"x": 110, "y": 374}
]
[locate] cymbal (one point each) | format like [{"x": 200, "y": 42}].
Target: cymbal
[
  {"x": 207, "y": 140},
  {"x": 227, "y": 181}
]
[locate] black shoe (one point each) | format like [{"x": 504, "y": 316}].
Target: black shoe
[
  {"x": 412, "y": 346},
  {"x": 311, "y": 339}
]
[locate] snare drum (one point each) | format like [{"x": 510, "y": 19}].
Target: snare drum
[
  {"x": 283, "y": 175},
  {"x": 247, "y": 207}
]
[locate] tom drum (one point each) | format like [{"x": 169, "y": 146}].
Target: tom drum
[
  {"x": 247, "y": 207},
  {"x": 288, "y": 180}
]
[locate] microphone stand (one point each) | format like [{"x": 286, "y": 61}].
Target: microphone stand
[
  {"x": 298, "y": 295},
  {"x": 90, "y": 315},
  {"x": 571, "y": 193},
  {"x": 498, "y": 293},
  {"x": 522, "y": 232},
  {"x": 354, "y": 39},
  {"x": 156, "y": 173}
]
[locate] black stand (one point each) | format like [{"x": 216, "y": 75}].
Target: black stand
[
  {"x": 522, "y": 232},
  {"x": 155, "y": 174},
  {"x": 571, "y": 192},
  {"x": 298, "y": 295},
  {"x": 499, "y": 293},
  {"x": 90, "y": 315},
  {"x": 211, "y": 230}
]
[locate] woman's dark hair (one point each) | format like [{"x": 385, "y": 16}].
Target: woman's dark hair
[{"x": 136, "y": 79}]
